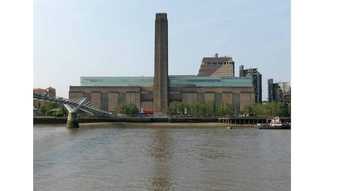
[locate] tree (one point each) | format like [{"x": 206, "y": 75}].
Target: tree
[
  {"x": 268, "y": 109},
  {"x": 57, "y": 112},
  {"x": 130, "y": 109},
  {"x": 273, "y": 109},
  {"x": 47, "y": 106},
  {"x": 174, "y": 108},
  {"x": 199, "y": 109},
  {"x": 115, "y": 110},
  {"x": 225, "y": 109},
  {"x": 285, "y": 110}
]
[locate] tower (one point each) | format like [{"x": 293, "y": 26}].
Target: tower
[
  {"x": 257, "y": 81},
  {"x": 160, "y": 84},
  {"x": 241, "y": 71},
  {"x": 270, "y": 90}
]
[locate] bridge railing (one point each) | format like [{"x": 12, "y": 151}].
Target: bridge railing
[{"x": 86, "y": 107}]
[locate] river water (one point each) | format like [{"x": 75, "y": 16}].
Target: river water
[{"x": 100, "y": 157}]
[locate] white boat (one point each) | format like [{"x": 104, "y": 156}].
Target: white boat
[{"x": 275, "y": 123}]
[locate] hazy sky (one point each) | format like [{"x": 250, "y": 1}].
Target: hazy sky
[{"x": 74, "y": 38}]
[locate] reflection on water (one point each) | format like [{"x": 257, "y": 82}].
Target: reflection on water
[
  {"x": 106, "y": 158},
  {"x": 160, "y": 155}
]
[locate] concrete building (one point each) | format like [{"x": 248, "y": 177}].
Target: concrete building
[
  {"x": 154, "y": 94},
  {"x": 217, "y": 66},
  {"x": 280, "y": 91},
  {"x": 257, "y": 81}
]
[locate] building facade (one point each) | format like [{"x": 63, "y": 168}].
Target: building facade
[
  {"x": 217, "y": 66},
  {"x": 154, "y": 94},
  {"x": 110, "y": 93},
  {"x": 257, "y": 81}
]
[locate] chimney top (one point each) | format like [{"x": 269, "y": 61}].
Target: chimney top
[{"x": 161, "y": 15}]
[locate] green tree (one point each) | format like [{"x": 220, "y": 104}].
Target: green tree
[
  {"x": 115, "y": 110},
  {"x": 57, "y": 112},
  {"x": 210, "y": 109},
  {"x": 200, "y": 109},
  {"x": 130, "y": 109},
  {"x": 273, "y": 108},
  {"x": 267, "y": 109},
  {"x": 225, "y": 109},
  {"x": 285, "y": 110},
  {"x": 47, "y": 106},
  {"x": 174, "y": 108}
]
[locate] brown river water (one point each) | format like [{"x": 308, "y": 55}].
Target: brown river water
[{"x": 100, "y": 157}]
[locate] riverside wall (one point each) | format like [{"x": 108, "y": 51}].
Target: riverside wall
[{"x": 232, "y": 120}]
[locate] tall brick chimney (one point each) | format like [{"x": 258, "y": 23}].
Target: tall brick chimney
[{"x": 160, "y": 85}]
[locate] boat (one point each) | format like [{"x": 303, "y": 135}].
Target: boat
[{"x": 275, "y": 123}]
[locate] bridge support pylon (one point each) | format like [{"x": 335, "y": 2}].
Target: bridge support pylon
[{"x": 72, "y": 120}]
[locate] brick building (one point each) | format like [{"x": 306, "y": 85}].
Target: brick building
[
  {"x": 156, "y": 93},
  {"x": 217, "y": 66}
]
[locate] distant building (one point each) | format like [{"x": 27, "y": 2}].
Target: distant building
[
  {"x": 214, "y": 84},
  {"x": 217, "y": 66},
  {"x": 280, "y": 91},
  {"x": 257, "y": 81},
  {"x": 270, "y": 90},
  {"x": 48, "y": 91}
]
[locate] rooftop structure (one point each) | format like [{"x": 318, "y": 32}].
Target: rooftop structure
[
  {"x": 174, "y": 81},
  {"x": 217, "y": 66}
]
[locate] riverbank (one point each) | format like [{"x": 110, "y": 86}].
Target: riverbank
[
  {"x": 56, "y": 120},
  {"x": 158, "y": 125},
  {"x": 161, "y": 125},
  {"x": 183, "y": 125},
  {"x": 229, "y": 120}
]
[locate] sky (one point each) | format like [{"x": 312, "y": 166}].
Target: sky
[{"x": 74, "y": 38}]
